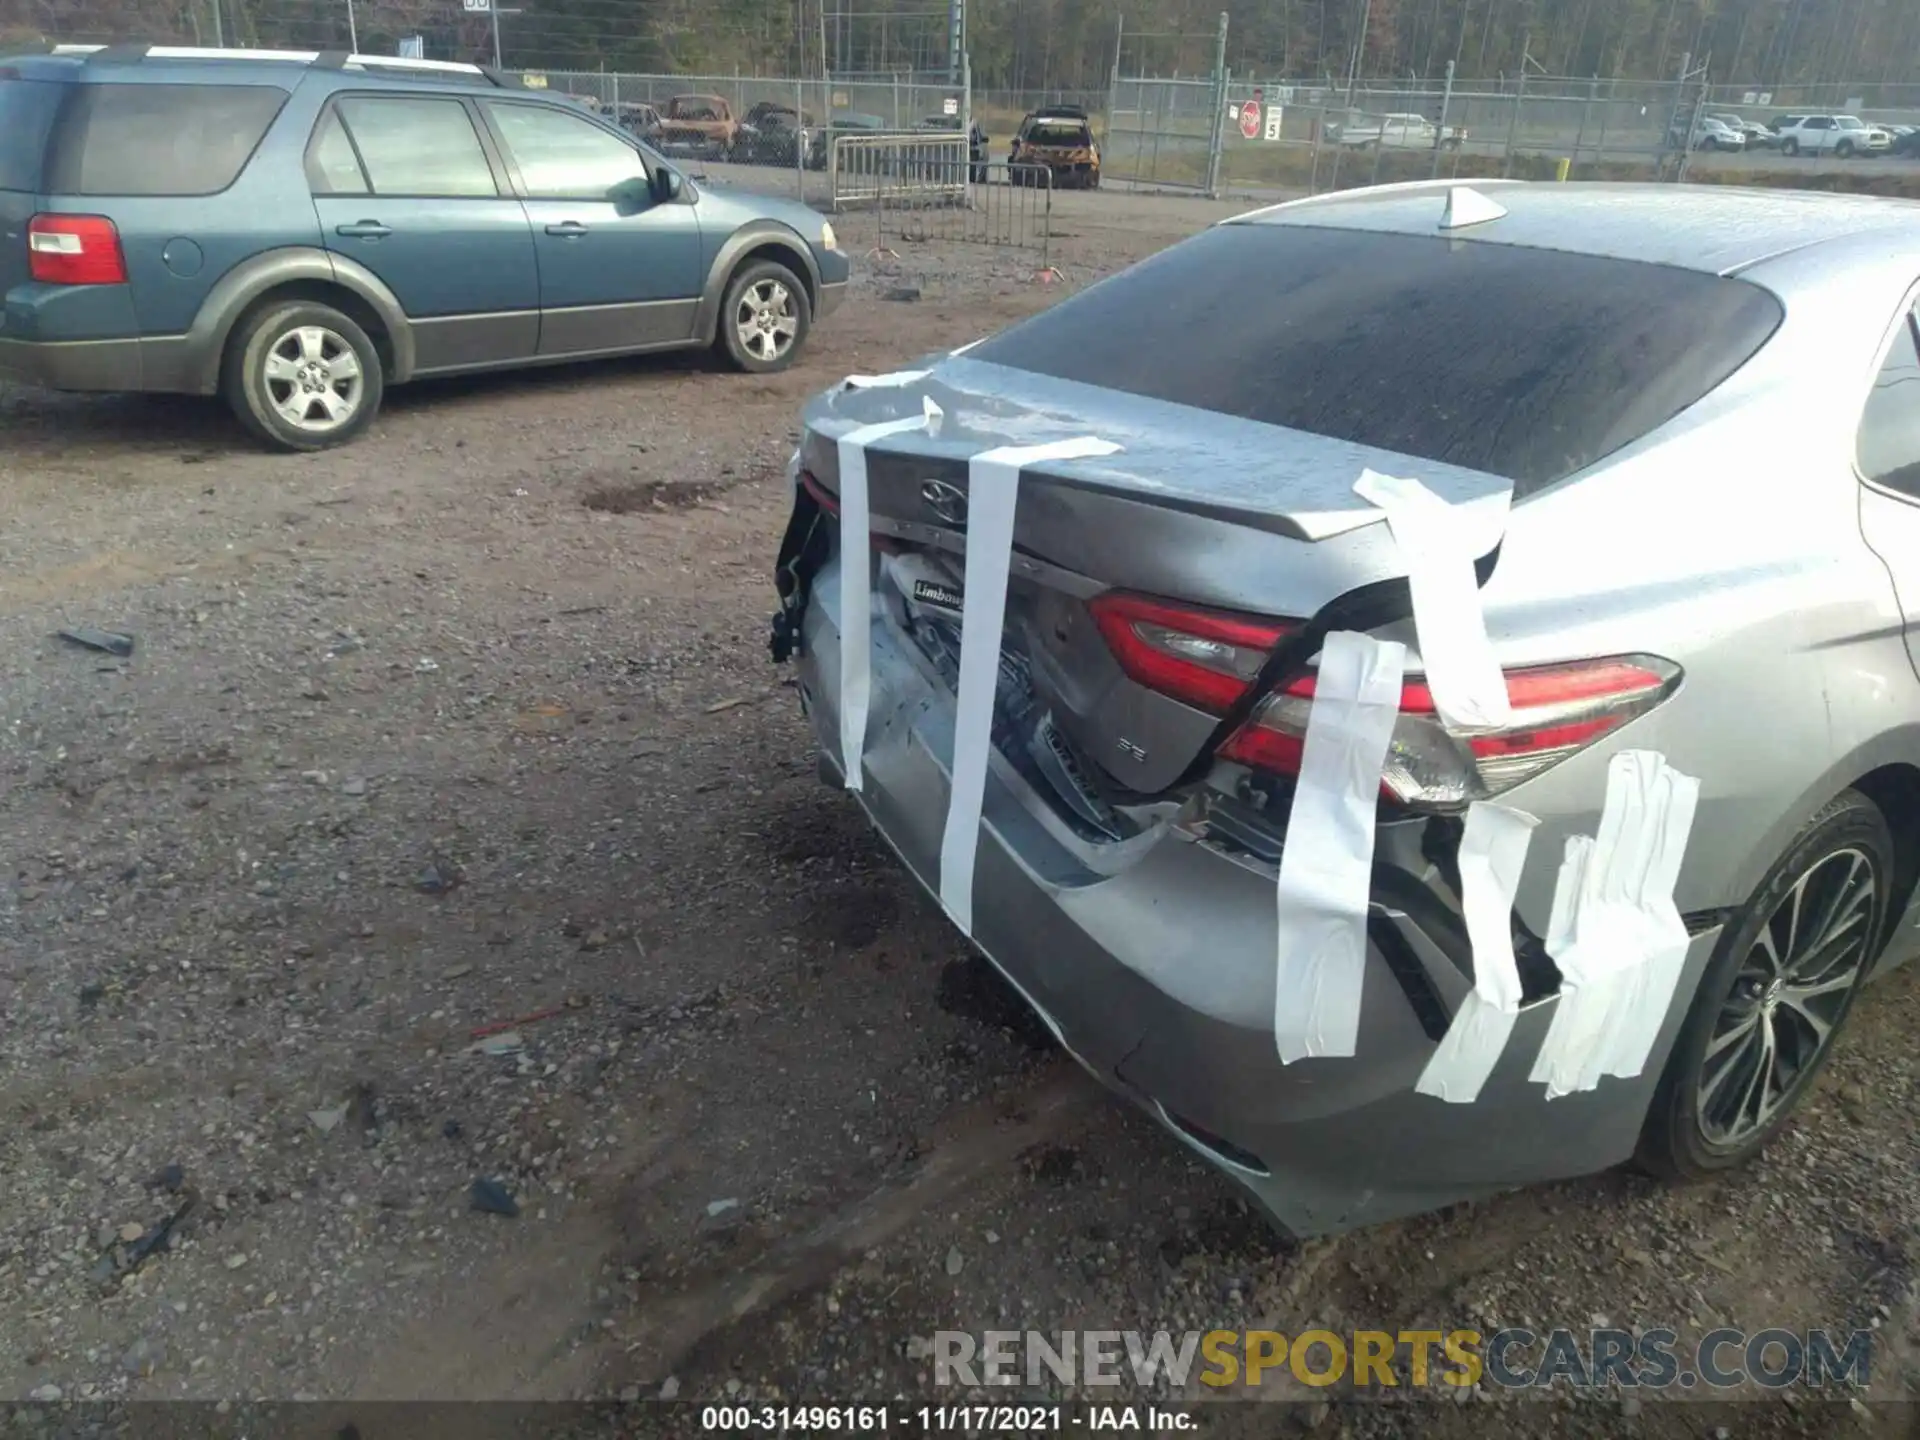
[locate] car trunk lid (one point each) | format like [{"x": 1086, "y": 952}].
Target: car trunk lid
[{"x": 1269, "y": 525}]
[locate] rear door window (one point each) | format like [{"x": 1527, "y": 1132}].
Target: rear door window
[
  {"x": 333, "y": 165},
  {"x": 418, "y": 147},
  {"x": 1889, "y": 443},
  {"x": 27, "y": 111},
  {"x": 131, "y": 140},
  {"x": 1524, "y": 363}
]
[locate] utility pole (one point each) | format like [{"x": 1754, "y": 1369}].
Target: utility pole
[
  {"x": 493, "y": 19},
  {"x": 956, "y": 38},
  {"x": 353, "y": 30},
  {"x": 1359, "y": 48},
  {"x": 219, "y": 34}
]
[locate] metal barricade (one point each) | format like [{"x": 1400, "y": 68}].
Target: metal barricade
[
  {"x": 928, "y": 166},
  {"x": 1004, "y": 205}
]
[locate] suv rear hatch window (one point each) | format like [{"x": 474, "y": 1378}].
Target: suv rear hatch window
[
  {"x": 1523, "y": 363},
  {"x": 1064, "y": 134},
  {"x": 132, "y": 140},
  {"x": 27, "y": 111}
]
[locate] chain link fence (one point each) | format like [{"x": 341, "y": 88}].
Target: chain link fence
[{"x": 1197, "y": 134}]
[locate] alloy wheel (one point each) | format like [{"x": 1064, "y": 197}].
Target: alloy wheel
[
  {"x": 1787, "y": 996},
  {"x": 313, "y": 378},
  {"x": 765, "y": 320}
]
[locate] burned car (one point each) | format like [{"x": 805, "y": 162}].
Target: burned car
[
  {"x": 976, "y": 143},
  {"x": 1060, "y": 140},
  {"x": 699, "y": 126},
  {"x": 772, "y": 134},
  {"x": 841, "y": 122}
]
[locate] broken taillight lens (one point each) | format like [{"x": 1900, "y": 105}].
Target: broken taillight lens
[
  {"x": 830, "y": 503},
  {"x": 1204, "y": 658},
  {"x": 1208, "y": 658},
  {"x": 1558, "y": 710},
  {"x": 822, "y": 496}
]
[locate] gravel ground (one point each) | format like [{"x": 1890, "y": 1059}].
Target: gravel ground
[{"x": 449, "y": 825}]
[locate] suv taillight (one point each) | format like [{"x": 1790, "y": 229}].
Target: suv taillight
[
  {"x": 75, "y": 250},
  {"x": 1207, "y": 659}
]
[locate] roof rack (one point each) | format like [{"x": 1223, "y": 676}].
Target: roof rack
[{"x": 132, "y": 53}]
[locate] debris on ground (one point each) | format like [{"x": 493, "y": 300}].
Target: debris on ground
[
  {"x": 110, "y": 642},
  {"x": 491, "y": 1197},
  {"x": 437, "y": 878},
  {"x": 503, "y": 1027}
]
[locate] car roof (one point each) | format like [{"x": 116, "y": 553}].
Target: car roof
[{"x": 1719, "y": 229}]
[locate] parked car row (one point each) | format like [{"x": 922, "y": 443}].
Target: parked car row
[{"x": 1841, "y": 136}]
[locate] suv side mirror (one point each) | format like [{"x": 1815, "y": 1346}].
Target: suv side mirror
[{"x": 667, "y": 185}]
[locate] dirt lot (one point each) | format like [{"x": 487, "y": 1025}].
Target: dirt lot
[{"x": 473, "y": 723}]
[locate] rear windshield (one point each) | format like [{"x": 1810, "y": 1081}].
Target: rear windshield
[
  {"x": 1058, "y": 132},
  {"x": 27, "y": 108},
  {"x": 159, "y": 139},
  {"x": 1523, "y": 363}
]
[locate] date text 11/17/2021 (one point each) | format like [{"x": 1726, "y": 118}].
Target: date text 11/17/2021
[{"x": 943, "y": 1419}]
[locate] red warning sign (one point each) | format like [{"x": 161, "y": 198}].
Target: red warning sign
[{"x": 1250, "y": 119}]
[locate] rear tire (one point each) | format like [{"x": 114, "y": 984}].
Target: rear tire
[
  {"x": 1774, "y": 997},
  {"x": 764, "y": 318},
  {"x": 302, "y": 376},
  {"x": 1789, "y": 147}
]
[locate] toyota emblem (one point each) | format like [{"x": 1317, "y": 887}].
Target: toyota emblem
[{"x": 949, "y": 502}]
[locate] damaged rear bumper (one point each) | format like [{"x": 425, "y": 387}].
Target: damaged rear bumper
[{"x": 1153, "y": 961}]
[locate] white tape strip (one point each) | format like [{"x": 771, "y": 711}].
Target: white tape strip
[
  {"x": 1615, "y": 933},
  {"x": 856, "y": 581},
  {"x": 1469, "y": 692},
  {"x": 1326, "y": 869},
  {"x": 881, "y": 382},
  {"x": 993, "y": 494},
  {"x": 1637, "y": 1024},
  {"x": 1493, "y": 852}
]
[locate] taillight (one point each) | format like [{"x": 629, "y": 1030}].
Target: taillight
[
  {"x": 75, "y": 250},
  {"x": 830, "y": 503},
  {"x": 1558, "y": 710},
  {"x": 822, "y": 497},
  {"x": 1204, "y": 658},
  {"x": 1208, "y": 658}
]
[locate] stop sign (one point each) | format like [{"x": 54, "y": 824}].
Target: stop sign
[{"x": 1250, "y": 119}]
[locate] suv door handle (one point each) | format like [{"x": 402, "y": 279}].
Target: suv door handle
[
  {"x": 567, "y": 229},
  {"x": 363, "y": 230}
]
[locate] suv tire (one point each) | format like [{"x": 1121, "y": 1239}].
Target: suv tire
[
  {"x": 1789, "y": 146},
  {"x": 764, "y": 318},
  {"x": 302, "y": 376},
  {"x": 1747, "y": 1009},
  {"x": 1844, "y": 150}
]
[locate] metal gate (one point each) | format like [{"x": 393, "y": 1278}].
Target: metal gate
[{"x": 1165, "y": 131}]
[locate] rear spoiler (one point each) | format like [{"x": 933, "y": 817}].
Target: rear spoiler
[{"x": 1398, "y": 187}]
